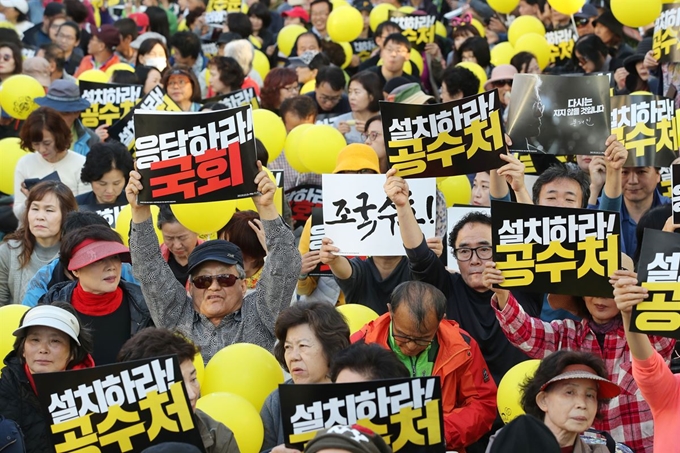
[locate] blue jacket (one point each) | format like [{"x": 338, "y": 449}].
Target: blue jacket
[{"x": 86, "y": 138}]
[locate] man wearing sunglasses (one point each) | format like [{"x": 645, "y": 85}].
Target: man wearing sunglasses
[
  {"x": 216, "y": 312},
  {"x": 584, "y": 19},
  {"x": 416, "y": 330}
]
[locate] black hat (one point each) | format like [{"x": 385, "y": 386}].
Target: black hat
[
  {"x": 525, "y": 434},
  {"x": 363, "y": 5},
  {"x": 608, "y": 20},
  {"x": 394, "y": 83},
  {"x": 643, "y": 47},
  {"x": 53, "y": 9},
  {"x": 172, "y": 447},
  {"x": 586, "y": 12},
  {"x": 218, "y": 250}
]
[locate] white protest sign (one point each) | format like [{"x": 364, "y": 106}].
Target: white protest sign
[{"x": 455, "y": 215}]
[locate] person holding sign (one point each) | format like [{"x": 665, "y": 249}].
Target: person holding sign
[
  {"x": 216, "y": 313},
  {"x": 50, "y": 338},
  {"x": 658, "y": 385}
]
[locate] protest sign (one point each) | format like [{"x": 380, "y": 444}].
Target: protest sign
[
  {"x": 216, "y": 18},
  {"x": 529, "y": 167},
  {"x": 665, "y": 38},
  {"x": 236, "y": 98},
  {"x": 559, "y": 115},
  {"x": 658, "y": 270},
  {"x": 561, "y": 44},
  {"x": 646, "y": 126},
  {"x": 302, "y": 200},
  {"x": 124, "y": 129},
  {"x": 317, "y": 233},
  {"x": 406, "y": 412},
  {"x": 108, "y": 212},
  {"x": 455, "y": 138},
  {"x": 109, "y": 102},
  {"x": 209, "y": 49},
  {"x": 665, "y": 187},
  {"x": 361, "y": 220},
  {"x": 555, "y": 250},
  {"x": 196, "y": 156},
  {"x": 118, "y": 408},
  {"x": 454, "y": 215},
  {"x": 363, "y": 48},
  {"x": 231, "y": 6},
  {"x": 675, "y": 199},
  {"x": 420, "y": 30}
]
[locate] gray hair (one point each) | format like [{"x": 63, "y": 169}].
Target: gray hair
[{"x": 243, "y": 52}]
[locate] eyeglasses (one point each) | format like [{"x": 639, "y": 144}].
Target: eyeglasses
[
  {"x": 205, "y": 281},
  {"x": 323, "y": 99},
  {"x": 501, "y": 83},
  {"x": 68, "y": 37},
  {"x": 292, "y": 88},
  {"x": 484, "y": 252},
  {"x": 406, "y": 340},
  {"x": 179, "y": 82},
  {"x": 372, "y": 136},
  {"x": 395, "y": 50},
  {"x": 6, "y": 57}
]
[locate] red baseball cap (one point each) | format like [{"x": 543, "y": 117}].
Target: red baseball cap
[
  {"x": 90, "y": 251},
  {"x": 297, "y": 11},
  {"x": 142, "y": 21}
]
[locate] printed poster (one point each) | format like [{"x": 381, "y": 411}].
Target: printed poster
[
  {"x": 109, "y": 102},
  {"x": 665, "y": 38},
  {"x": 420, "y": 30}
]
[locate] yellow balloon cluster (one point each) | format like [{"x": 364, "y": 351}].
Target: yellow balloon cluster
[
  {"x": 261, "y": 64},
  {"x": 237, "y": 414},
  {"x": 344, "y": 24},
  {"x": 357, "y": 316},
  {"x": 287, "y": 37},
  {"x": 456, "y": 190},
  {"x": 270, "y": 130},
  {"x": 17, "y": 95},
  {"x": 635, "y": 13},
  {"x": 503, "y": 6},
  {"x": 204, "y": 218},
  {"x": 379, "y": 14},
  {"x": 510, "y": 392},
  {"x": 502, "y": 53},
  {"x": 567, "y": 7},
  {"x": 524, "y": 25},
  {"x": 10, "y": 153},
  {"x": 319, "y": 148},
  {"x": 292, "y": 147},
  {"x": 536, "y": 45}
]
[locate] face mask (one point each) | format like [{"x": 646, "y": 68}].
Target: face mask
[{"x": 157, "y": 62}]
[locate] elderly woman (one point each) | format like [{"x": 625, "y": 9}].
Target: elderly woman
[
  {"x": 182, "y": 87},
  {"x": 566, "y": 393},
  {"x": 113, "y": 308},
  {"x": 279, "y": 85},
  {"x": 226, "y": 75},
  {"x": 36, "y": 242},
  {"x": 106, "y": 169},
  {"x": 599, "y": 332},
  {"x": 245, "y": 230},
  {"x": 243, "y": 52},
  {"x": 50, "y": 338},
  {"x": 48, "y": 138},
  {"x": 309, "y": 334},
  {"x": 178, "y": 243}
]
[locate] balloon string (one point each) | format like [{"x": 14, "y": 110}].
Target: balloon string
[{"x": 573, "y": 22}]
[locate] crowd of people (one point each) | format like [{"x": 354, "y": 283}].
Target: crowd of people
[{"x": 98, "y": 295}]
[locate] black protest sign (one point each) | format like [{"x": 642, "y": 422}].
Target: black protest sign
[
  {"x": 407, "y": 413},
  {"x": 108, "y": 212},
  {"x": 363, "y": 48},
  {"x": 109, "y": 102},
  {"x": 420, "y": 30},
  {"x": 561, "y": 44},
  {"x": 455, "y": 138},
  {"x": 316, "y": 235},
  {"x": 118, "y": 408},
  {"x": 675, "y": 192},
  {"x": 196, "y": 156},
  {"x": 646, "y": 126},
  {"x": 302, "y": 200},
  {"x": 559, "y": 114},
  {"x": 665, "y": 38},
  {"x": 665, "y": 187},
  {"x": 555, "y": 250},
  {"x": 237, "y": 98},
  {"x": 658, "y": 271}
]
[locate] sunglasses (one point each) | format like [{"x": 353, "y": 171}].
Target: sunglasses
[
  {"x": 205, "y": 281},
  {"x": 501, "y": 83},
  {"x": 582, "y": 22}
]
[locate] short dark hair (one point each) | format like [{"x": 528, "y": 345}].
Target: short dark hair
[
  {"x": 45, "y": 118},
  {"x": 563, "y": 171},
  {"x": 260, "y": 11},
  {"x": 370, "y": 360},
  {"x": 307, "y": 33},
  {"x": 157, "y": 342},
  {"x": 328, "y": 325},
  {"x": 522, "y": 60},
  {"x": 372, "y": 119},
  {"x": 16, "y": 54},
  {"x": 158, "y": 21},
  {"x": 146, "y": 46},
  {"x": 398, "y": 39},
  {"x": 237, "y": 231},
  {"x": 319, "y": 61},
  {"x": 79, "y": 219},
  {"x": 552, "y": 366},
  {"x": 125, "y": 77},
  {"x": 301, "y": 106},
  {"x": 76, "y": 10},
  {"x": 333, "y": 76},
  {"x": 654, "y": 219},
  {"x": 79, "y": 351},
  {"x": 187, "y": 43},
  {"x": 371, "y": 83},
  {"x": 540, "y": 3},
  {"x": 165, "y": 215},
  {"x": 73, "y": 25},
  {"x": 75, "y": 237},
  {"x": 470, "y": 217},
  {"x": 479, "y": 48},
  {"x": 389, "y": 25},
  {"x": 318, "y": 2},
  {"x": 420, "y": 297},
  {"x": 10, "y": 35},
  {"x": 240, "y": 24},
  {"x": 104, "y": 157},
  {"x": 127, "y": 27},
  {"x": 262, "y": 153},
  {"x": 231, "y": 73},
  {"x": 54, "y": 53},
  {"x": 592, "y": 48},
  {"x": 186, "y": 71},
  {"x": 460, "y": 79}
]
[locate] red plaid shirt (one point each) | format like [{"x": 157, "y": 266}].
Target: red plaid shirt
[{"x": 627, "y": 417}]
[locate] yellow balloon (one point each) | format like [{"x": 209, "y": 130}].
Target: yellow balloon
[
  {"x": 287, "y": 37},
  {"x": 416, "y": 59},
  {"x": 17, "y": 95},
  {"x": 308, "y": 87},
  {"x": 204, "y": 218},
  {"x": 502, "y": 53},
  {"x": 200, "y": 368},
  {"x": 503, "y": 6},
  {"x": 510, "y": 392},
  {"x": 244, "y": 369},
  {"x": 237, "y": 414},
  {"x": 477, "y": 70},
  {"x": 255, "y": 42},
  {"x": 568, "y": 7},
  {"x": 440, "y": 29},
  {"x": 11, "y": 317},
  {"x": 380, "y": 14},
  {"x": 523, "y": 25},
  {"x": 261, "y": 64},
  {"x": 94, "y": 75},
  {"x": 10, "y": 153},
  {"x": 339, "y": 3},
  {"x": 319, "y": 148},
  {"x": 357, "y": 316},
  {"x": 293, "y": 146},
  {"x": 118, "y": 67},
  {"x": 480, "y": 28},
  {"x": 344, "y": 24},
  {"x": 536, "y": 45},
  {"x": 125, "y": 217},
  {"x": 269, "y": 129},
  {"x": 456, "y": 190},
  {"x": 347, "y": 47},
  {"x": 645, "y": 93},
  {"x": 635, "y": 13},
  {"x": 406, "y": 9}
]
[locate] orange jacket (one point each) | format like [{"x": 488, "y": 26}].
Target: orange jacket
[
  {"x": 468, "y": 391},
  {"x": 88, "y": 63}
]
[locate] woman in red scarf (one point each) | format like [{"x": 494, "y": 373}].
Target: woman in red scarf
[
  {"x": 113, "y": 308},
  {"x": 50, "y": 338}
]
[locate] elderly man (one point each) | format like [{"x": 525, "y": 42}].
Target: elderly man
[{"x": 216, "y": 312}]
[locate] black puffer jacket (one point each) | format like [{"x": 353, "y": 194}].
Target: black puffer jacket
[{"x": 18, "y": 402}]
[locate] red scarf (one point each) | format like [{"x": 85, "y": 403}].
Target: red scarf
[
  {"x": 88, "y": 362},
  {"x": 96, "y": 304}
]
